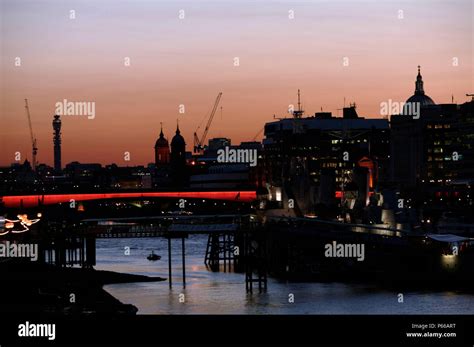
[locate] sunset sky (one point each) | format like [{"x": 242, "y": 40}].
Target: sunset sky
[{"x": 188, "y": 61}]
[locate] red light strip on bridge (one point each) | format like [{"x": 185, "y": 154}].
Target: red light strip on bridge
[
  {"x": 51, "y": 199},
  {"x": 339, "y": 194}
]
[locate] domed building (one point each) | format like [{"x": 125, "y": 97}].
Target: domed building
[
  {"x": 419, "y": 97},
  {"x": 162, "y": 150}
]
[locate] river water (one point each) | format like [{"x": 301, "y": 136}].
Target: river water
[{"x": 209, "y": 292}]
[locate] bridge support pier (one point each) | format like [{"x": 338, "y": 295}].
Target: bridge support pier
[
  {"x": 220, "y": 247},
  {"x": 254, "y": 262}
]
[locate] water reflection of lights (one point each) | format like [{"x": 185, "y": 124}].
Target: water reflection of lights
[
  {"x": 448, "y": 256},
  {"x": 22, "y": 220},
  {"x": 311, "y": 215},
  {"x": 449, "y": 260}
]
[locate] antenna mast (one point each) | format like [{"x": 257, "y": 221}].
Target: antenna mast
[{"x": 299, "y": 112}]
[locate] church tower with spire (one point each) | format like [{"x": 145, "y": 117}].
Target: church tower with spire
[
  {"x": 162, "y": 150},
  {"x": 178, "y": 158}
]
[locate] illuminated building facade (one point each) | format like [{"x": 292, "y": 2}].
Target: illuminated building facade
[
  {"x": 322, "y": 152},
  {"x": 436, "y": 151}
]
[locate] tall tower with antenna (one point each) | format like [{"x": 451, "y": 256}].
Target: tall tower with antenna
[{"x": 57, "y": 143}]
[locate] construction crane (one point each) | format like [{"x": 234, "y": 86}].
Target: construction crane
[
  {"x": 33, "y": 139},
  {"x": 259, "y": 132},
  {"x": 199, "y": 142}
]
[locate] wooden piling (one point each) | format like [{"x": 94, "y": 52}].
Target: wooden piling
[
  {"x": 169, "y": 261},
  {"x": 183, "y": 251}
]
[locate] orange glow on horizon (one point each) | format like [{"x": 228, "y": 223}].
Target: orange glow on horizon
[{"x": 187, "y": 62}]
